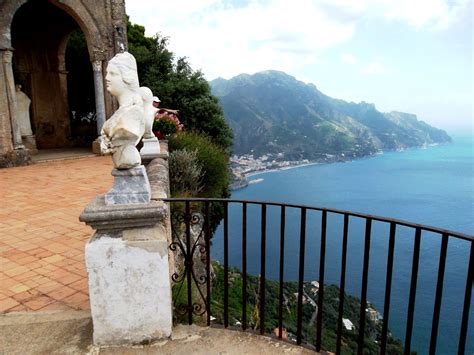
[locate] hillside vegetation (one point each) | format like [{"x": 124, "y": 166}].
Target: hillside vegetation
[
  {"x": 290, "y": 292},
  {"x": 272, "y": 113}
]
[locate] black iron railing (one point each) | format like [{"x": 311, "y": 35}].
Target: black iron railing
[{"x": 191, "y": 225}]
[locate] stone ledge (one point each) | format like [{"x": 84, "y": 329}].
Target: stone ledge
[
  {"x": 104, "y": 217},
  {"x": 147, "y": 159},
  {"x": 158, "y": 176}
]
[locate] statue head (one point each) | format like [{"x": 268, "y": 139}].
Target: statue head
[
  {"x": 122, "y": 74},
  {"x": 147, "y": 96}
]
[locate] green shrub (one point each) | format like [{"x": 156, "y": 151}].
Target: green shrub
[
  {"x": 185, "y": 173},
  {"x": 215, "y": 178},
  {"x": 212, "y": 159}
]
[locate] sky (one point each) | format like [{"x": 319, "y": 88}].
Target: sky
[{"x": 402, "y": 55}]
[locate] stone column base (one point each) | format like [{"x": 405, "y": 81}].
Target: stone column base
[
  {"x": 16, "y": 157},
  {"x": 96, "y": 147},
  {"x": 30, "y": 143}
]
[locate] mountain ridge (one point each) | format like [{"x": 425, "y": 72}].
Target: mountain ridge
[{"x": 273, "y": 113}]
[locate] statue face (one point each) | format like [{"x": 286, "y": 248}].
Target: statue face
[{"x": 114, "y": 81}]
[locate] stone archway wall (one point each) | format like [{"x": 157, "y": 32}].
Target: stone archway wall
[
  {"x": 39, "y": 30},
  {"x": 104, "y": 26}
]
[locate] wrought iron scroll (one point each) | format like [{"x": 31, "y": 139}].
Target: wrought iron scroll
[{"x": 189, "y": 247}]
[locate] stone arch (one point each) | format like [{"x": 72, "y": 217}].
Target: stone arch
[
  {"x": 103, "y": 24},
  {"x": 79, "y": 13},
  {"x": 89, "y": 27},
  {"x": 39, "y": 34}
]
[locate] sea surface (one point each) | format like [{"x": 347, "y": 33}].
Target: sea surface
[{"x": 432, "y": 185}]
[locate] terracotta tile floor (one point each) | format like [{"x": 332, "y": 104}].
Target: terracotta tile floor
[{"x": 41, "y": 239}]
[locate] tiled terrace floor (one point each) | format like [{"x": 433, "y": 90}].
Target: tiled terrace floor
[{"x": 41, "y": 239}]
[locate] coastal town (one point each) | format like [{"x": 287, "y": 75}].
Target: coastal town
[{"x": 244, "y": 166}]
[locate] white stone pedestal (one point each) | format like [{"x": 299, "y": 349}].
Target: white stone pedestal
[
  {"x": 128, "y": 270},
  {"x": 129, "y": 287},
  {"x": 151, "y": 148}
]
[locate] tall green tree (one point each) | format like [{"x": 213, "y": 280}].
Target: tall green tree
[{"x": 178, "y": 86}]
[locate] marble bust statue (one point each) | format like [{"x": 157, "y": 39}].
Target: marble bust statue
[
  {"x": 23, "y": 112},
  {"x": 123, "y": 130},
  {"x": 149, "y": 110}
]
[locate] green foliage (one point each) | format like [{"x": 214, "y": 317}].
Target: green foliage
[
  {"x": 211, "y": 157},
  {"x": 290, "y": 288},
  {"x": 185, "y": 173},
  {"x": 215, "y": 172},
  {"x": 178, "y": 86},
  {"x": 179, "y": 292}
]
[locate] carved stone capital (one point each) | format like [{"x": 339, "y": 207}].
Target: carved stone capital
[
  {"x": 98, "y": 55},
  {"x": 97, "y": 66}
]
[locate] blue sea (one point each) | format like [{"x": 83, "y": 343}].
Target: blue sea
[{"x": 432, "y": 185}]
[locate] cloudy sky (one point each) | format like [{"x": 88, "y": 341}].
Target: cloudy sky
[{"x": 406, "y": 55}]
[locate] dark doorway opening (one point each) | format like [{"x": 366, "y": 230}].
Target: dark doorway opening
[
  {"x": 52, "y": 64},
  {"x": 80, "y": 87}
]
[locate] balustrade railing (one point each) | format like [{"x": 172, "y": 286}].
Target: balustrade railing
[{"x": 194, "y": 219}]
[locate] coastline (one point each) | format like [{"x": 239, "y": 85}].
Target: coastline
[
  {"x": 293, "y": 165},
  {"x": 244, "y": 182},
  {"x": 264, "y": 171}
]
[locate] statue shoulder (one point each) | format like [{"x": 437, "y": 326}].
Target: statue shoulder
[
  {"x": 136, "y": 109},
  {"x": 129, "y": 117},
  {"x": 22, "y": 97}
]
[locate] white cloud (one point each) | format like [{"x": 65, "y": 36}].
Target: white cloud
[
  {"x": 226, "y": 38},
  {"x": 375, "y": 68},
  {"x": 438, "y": 14},
  {"x": 348, "y": 58}
]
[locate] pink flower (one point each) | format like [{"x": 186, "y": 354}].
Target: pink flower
[{"x": 167, "y": 123}]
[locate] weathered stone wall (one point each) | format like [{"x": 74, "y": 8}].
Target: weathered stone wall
[{"x": 38, "y": 43}]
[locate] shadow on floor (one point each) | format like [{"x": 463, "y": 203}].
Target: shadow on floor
[{"x": 45, "y": 155}]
